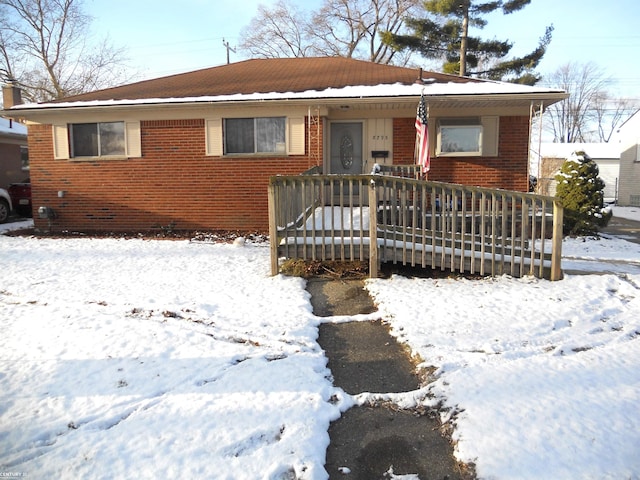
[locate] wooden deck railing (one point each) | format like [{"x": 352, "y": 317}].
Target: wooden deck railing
[{"x": 388, "y": 218}]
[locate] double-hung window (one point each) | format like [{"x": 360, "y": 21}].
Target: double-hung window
[
  {"x": 255, "y": 135},
  {"x": 97, "y": 139}
]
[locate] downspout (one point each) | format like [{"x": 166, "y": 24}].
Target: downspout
[
  {"x": 309, "y": 136},
  {"x": 540, "y": 143},
  {"x": 530, "y": 146},
  {"x": 320, "y": 139},
  {"x": 539, "y": 152}
]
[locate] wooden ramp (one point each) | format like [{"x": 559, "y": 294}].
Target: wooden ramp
[{"x": 414, "y": 222}]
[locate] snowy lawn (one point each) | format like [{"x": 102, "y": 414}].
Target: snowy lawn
[{"x": 157, "y": 359}]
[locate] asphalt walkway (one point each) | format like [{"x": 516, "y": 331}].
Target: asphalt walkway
[
  {"x": 623, "y": 228},
  {"x": 370, "y": 442}
]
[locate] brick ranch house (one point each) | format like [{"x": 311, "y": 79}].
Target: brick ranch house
[{"x": 195, "y": 151}]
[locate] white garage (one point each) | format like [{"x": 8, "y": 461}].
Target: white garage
[{"x": 606, "y": 155}]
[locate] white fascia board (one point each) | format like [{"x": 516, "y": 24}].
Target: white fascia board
[{"x": 350, "y": 92}]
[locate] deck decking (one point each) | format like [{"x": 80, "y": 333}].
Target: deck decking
[{"x": 413, "y": 222}]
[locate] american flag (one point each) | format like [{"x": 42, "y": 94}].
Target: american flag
[{"x": 422, "y": 137}]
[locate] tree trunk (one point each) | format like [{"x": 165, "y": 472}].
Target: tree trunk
[{"x": 463, "y": 41}]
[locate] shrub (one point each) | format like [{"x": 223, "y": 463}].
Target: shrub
[{"x": 582, "y": 193}]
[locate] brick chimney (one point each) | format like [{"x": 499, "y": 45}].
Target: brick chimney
[{"x": 11, "y": 94}]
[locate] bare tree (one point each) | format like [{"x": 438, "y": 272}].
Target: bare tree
[
  {"x": 346, "y": 28},
  {"x": 44, "y": 46},
  {"x": 609, "y": 113},
  {"x": 589, "y": 114},
  {"x": 277, "y": 32},
  {"x": 353, "y": 28}
]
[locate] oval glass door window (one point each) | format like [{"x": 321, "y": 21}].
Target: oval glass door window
[{"x": 346, "y": 151}]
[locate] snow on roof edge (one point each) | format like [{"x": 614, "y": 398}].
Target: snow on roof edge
[
  {"x": 16, "y": 128},
  {"x": 594, "y": 150},
  {"x": 384, "y": 90}
]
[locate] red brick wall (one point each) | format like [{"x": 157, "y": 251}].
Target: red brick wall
[
  {"x": 404, "y": 141},
  {"x": 173, "y": 183},
  {"x": 509, "y": 170}
]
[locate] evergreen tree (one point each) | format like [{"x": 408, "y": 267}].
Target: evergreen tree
[
  {"x": 582, "y": 193},
  {"x": 446, "y": 35}
]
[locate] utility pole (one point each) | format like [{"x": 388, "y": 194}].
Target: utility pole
[{"x": 226, "y": 44}]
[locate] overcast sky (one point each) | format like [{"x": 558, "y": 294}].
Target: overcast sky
[{"x": 164, "y": 37}]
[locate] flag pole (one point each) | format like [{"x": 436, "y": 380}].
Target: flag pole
[
  {"x": 416, "y": 147},
  {"x": 416, "y": 158},
  {"x": 425, "y": 175}
]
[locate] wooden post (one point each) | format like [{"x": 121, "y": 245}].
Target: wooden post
[
  {"x": 556, "y": 245},
  {"x": 273, "y": 228},
  {"x": 373, "y": 229}
]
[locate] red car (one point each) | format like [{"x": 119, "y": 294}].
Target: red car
[{"x": 21, "y": 197}]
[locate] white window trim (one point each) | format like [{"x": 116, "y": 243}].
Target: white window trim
[
  {"x": 60, "y": 142},
  {"x": 295, "y": 136},
  {"x": 213, "y": 137},
  {"x": 132, "y": 139}
]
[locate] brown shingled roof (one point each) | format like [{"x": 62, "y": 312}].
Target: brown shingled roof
[{"x": 265, "y": 76}]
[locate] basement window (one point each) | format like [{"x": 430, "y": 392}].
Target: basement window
[
  {"x": 459, "y": 137},
  {"x": 97, "y": 139},
  {"x": 254, "y": 135}
]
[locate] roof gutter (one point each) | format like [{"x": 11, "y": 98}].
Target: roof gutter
[
  {"x": 13, "y": 136},
  {"x": 33, "y": 110}
]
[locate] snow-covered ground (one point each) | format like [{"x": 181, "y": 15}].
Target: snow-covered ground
[
  {"x": 607, "y": 255},
  {"x": 160, "y": 359}
]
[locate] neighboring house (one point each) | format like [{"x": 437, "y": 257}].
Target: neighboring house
[
  {"x": 196, "y": 150},
  {"x": 618, "y": 162},
  {"x": 14, "y": 159},
  {"x": 606, "y": 156},
  {"x": 628, "y": 139}
]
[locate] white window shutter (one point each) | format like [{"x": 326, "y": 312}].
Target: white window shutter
[
  {"x": 132, "y": 136},
  {"x": 60, "y": 142},
  {"x": 296, "y": 136},
  {"x": 213, "y": 136},
  {"x": 490, "y": 127}
]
